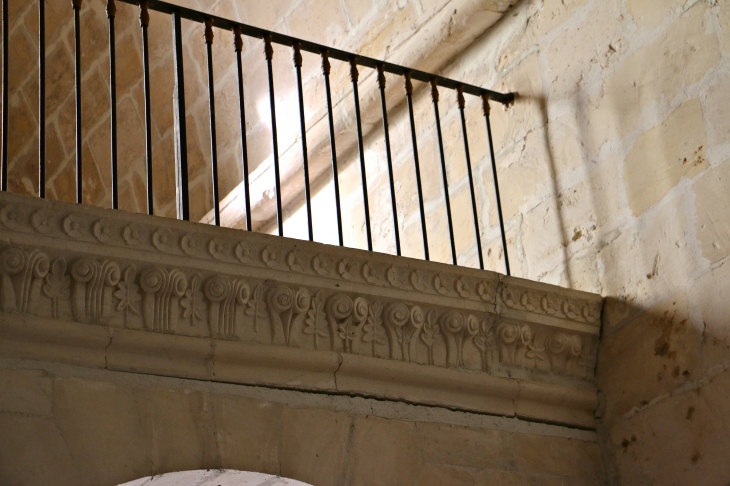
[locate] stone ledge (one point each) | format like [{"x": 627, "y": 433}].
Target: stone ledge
[{"x": 131, "y": 292}]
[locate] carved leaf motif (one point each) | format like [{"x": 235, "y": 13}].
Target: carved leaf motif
[
  {"x": 162, "y": 239},
  {"x": 256, "y": 307},
  {"x": 243, "y": 253},
  {"x": 12, "y": 216},
  {"x": 104, "y": 230},
  {"x": 293, "y": 262},
  {"x": 133, "y": 234},
  {"x": 373, "y": 331},
  {"x": 57, "y": 286},
  {"x": 127, "y": 293},
  {"x": 74, "y": 226},
  {"x": 429, "y": 333},
  {"x": 315, "y": 325},
  {"x": 191, "y": 244},
  {"x": 417, "y": 282},
  {"x": 41, "y": 221},
  {"x": 192, "y": 303}
]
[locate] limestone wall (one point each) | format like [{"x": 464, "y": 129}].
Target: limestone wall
[
  {"x": 70, "y": 426},
  {"x": 613, "y": 166}
]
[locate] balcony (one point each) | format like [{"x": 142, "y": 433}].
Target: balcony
[{"x": 105, "y": 288}]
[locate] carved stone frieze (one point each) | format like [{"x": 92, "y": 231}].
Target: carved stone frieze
[{"x": 132, "y": 271}]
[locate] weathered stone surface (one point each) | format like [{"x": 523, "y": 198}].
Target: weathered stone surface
[
  {"x": 662, "y": 156},
  {"x": 384, "y": 452},
  {"x": 26, "y": 391},
  {"x": 564, "y": 457},
  {"x": 649, "y": 14},
  {"x": 461, "y": 446},
  {"x": 711, "y": 203},
  {"x": 248, "y": 433},
  {"x": 314, "y": 445},
  {"x": 648, "y": 357}
]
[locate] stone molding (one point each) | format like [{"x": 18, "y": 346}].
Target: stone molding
[{"x": 138, "y": 293}]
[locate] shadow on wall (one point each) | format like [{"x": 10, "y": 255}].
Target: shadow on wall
[
  {"x": 665, "y": 389},
  {"x": 215, "y": 477}
]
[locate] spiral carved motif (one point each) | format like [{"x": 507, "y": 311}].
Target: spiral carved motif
[
  {"x": 217, "y": 288},
  {"x": 281, "y": 298},
  {"x": 360, "y": 309},
  {"x": 417, "y": 317},
  {"x": 397, "y": 314},
  {"x": 12, "y": 261},
  {"x": 472, "y": 325},
  {"x": 508, "y": 333},
  {"x": 452, "y": 322},
  {"x": 83, "y": 270},
  {"x": 339, "y": 306},
  {"x": 152, "y": 279},
  {"x": 302, "y": 301}
]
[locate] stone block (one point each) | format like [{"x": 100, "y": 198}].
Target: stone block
[
  {"x": 26, "y": 391},
  {"x": 648, "y": 357},
  {"x": 467, "y": 447},
  {"x": 382, "y": 452},
  {"x": 662, "y": 156},
  {"x": 99, "y": 421},
  {"x": 179, "y": 428},
  {"x": 709, "y": 296},
  {"x": 711, "y": 203},
  {"x": 558, "y": 456},
  {"x": 34, "y": 451},
  {"x": 716, "y": 104},
  {"x": 248, "y": 433},
  {"x": 681, "y": 440},
  {"x": 493, "y": 477},
  {"x": 658, "y": 71},
  {"x": 650, "y": 14},
  {"x": 437, "y": 475},
  {"x": 314, "y": 444}
]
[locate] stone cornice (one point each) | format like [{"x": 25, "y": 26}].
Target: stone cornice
[{"x": 137, "y": 293}]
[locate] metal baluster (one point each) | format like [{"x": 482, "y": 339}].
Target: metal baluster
[
  {"x": 381, "y": 86},
  {"x": 144, "y": 22},
  {"x": 111, "y": 12},
  {"x": 335, "y": 175},
  {"x": 305, "y": 159},
  {"x": 77, "y": 49},
  {"x": 361, "y": 148},
  {"x": 269, "y": 53},
  {"x": 461, "y": 103},
  {"x": 435, "y": 98},
  {"x": 238, "y": 45},
  {"x": 486, "y": 110},
  {"x": 42, "y": 98},
  {"x": 4, "y": 157},
  {"x": 183, "y": 199},
  {"x": 211, "y": 102},
  {"x": 409, "y": 98}
]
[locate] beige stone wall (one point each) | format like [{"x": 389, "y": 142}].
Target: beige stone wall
[
  {"x": 65, "y": 425},
  {"x": 613, "y": 164}
]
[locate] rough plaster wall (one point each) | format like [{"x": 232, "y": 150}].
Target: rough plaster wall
[
  {"x": 65, "y": 425},
  {"x": 614, "y": 166}
]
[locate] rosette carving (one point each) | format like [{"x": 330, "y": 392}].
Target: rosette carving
[
  {"x": 287, "y": 311},
  {"x": 21, "y": 278},
  {"x": 162, "y": 292},
  {"x": 227, "y": 299},
  {"x": 551, "y": 305},
  {"x": 93, "y": 285}
]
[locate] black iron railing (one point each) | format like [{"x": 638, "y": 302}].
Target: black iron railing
[{"x": 298, "y": 45}]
